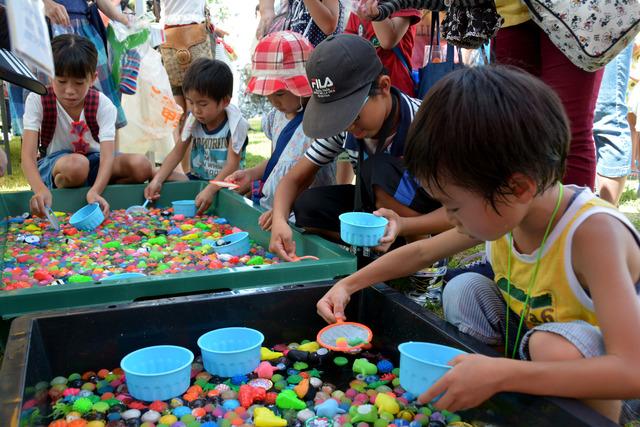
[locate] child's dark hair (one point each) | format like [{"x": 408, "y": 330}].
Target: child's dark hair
[
  {"x": 74, "y": 56},
  {"x": 478, "y": 126},
  {"x": 209, "y": 77}
]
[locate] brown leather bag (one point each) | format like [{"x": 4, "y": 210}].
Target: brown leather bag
[{"x": 182, "y": 45}]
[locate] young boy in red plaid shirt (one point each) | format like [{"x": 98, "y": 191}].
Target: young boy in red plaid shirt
[
  {"x": 69, "y": 133},
  {"x": 278, "y": 72}
]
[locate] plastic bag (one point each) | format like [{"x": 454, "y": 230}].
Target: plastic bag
[{"x": 152, "y": 113}]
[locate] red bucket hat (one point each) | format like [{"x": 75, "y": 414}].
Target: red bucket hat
[{"x": 278, "y": 63}]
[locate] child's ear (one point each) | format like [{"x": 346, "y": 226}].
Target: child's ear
[
  {"x": 523, "y": 187},
  {"x": 226, "y": 101},
  {"x": 95, "y": 78},
  {"x": 384, "y": 83}
]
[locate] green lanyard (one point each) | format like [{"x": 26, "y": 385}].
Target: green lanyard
[{"x": 532, "y": 280}]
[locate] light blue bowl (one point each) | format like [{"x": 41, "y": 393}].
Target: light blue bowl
[
  {"x": 157, "y": 373},
  {"x": 423, "y": 363},
  {"x": 87, "y": 218},
  {"x": 121, "y": 276},
  {"x": 231, "y": 351},
  {"x": 361, "y": 228},
  {"x": 184, "y": 207},
  {"x": 238, "y": 244}
]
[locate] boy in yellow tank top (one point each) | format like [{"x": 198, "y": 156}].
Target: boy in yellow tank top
[{"x": 491, "y": 143}]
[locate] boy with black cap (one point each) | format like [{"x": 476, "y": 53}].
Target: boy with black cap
[{"x": 356, "y": 109}]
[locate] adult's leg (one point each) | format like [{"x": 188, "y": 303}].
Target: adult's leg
[
  {"x": 611, "y": 130},
  {"x": 578, "y": 91},
  {"x": 70, "y": 171}
]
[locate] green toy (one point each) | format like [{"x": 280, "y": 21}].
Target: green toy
[
  {"x": 363, "y": 413},
  {"x": 287, "y": 399},
  {"x": 364, "y": 367}
]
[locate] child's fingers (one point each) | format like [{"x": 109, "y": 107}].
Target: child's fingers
[
  {"x": 434, "y": 391},
  {"x": 324, "y": 310}
]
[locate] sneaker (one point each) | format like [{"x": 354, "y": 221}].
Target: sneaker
[{"x": 427, "y": 285}]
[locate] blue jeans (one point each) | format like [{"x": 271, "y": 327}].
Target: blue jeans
[{"x": 610, "y": 127}]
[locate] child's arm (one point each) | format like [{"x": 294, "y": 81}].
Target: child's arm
[
  {"x": 152, "y": 191},
  {"x": 432, "y": 223},
  {"x": 94, "y": 195},
  {"x": 205, "y": 197},
  {"x": 388, "y": 7},
  {"x": 401, "y": 262},
  {"x": 298, "y": 179},
  {"x": 325, "y": 14},
  {"x": 29, "y": 160},
  {"x": 605, "y": 259},
  {"x": 391, "y": 31},
  {"x": 244, "y": 177}
]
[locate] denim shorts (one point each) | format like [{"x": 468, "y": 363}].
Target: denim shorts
[
  {"x": 46, "y": 165},
  {"x": 611, "y": 131}
]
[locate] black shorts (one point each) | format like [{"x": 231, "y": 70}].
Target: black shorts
[{"x": 320, "y": 207}]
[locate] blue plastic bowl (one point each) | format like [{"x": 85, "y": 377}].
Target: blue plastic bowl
[
  {"x": 184, "y": 207},
  {"x": 361, "y": 228},
  {"x": 157, "y": 373},
  {"x": 231, "y": 351},
  {"x": 238, "y": 244},
  {"x": 423, "y": 363},
  {"x": 122, "y": 276},
  {"x": 87, "y": 218}
]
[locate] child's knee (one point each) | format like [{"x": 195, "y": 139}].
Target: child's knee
[
  {"x": 71, "y": 171},
  {"x": 138, "y": 168},
  {"x": 548, "y": 346}
]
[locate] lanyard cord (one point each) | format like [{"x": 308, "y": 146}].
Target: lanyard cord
[{"x": 532, "y": 280}]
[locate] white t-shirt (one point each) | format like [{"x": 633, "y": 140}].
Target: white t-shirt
[
  {"x": 181, "y": 12},
  {"x": 63, "y": 138}
]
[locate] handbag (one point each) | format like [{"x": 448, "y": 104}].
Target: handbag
[
  {"x": 434, "y": 71},
  {"x": 186, "y": 43},
  {"x": 589, "y": 32}
]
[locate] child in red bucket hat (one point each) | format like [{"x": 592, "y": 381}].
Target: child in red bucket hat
[{"x": 278, "y": 72}]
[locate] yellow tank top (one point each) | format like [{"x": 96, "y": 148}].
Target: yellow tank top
[
  {"x": 557, "y": 295},
  {"x": 514, "y": 12}
]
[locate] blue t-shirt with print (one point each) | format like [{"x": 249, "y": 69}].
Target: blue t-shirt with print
[{"x": 209, "y": 150}]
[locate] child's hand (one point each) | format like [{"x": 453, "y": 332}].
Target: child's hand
[
  {"x": 152, "y": 190},
  {"x": 240, "y": 177},
  {"x": 204, "y": 198},
  {"x": 473, "y": 379},
  {"x": 39, "y": 202},
  {"x": 94, "y": 197},
  {"x": 331, "y": 306},
  {"x": 391, "y": 232},
  {"x": 266, "y": 19},
  {"x": 265, "y": 220},
  {"x": 282, "y": 243},
  {"x": 367, "y": 10}
]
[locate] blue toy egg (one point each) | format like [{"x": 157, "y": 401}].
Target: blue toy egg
[
  {"x": 292, "y": 371},
  {"x": 181, "y": 411},
  {"x": 114, "y": 416},
  {"x": 344, "y": 406},
  {"x": 360, "y": 377},
  {"x": 85, "y": 393},
  {"x": 230, "y": 404},
  {"x": 415, "y": 424},
  {"x": 105, "y": 389},
  {"x": 221, "y": 221},
  {"x": 281, "y": 366},
  {"x": 371, "y": 379},
  {"x": 400, "y": 422},
  {"x": 209, "y": 424},
  {"x": 384, "y": 366},
  {"x": 238, "y": 379},
  {"x": 175, "y": 231},
  {"x": 409, "y": 396}
]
